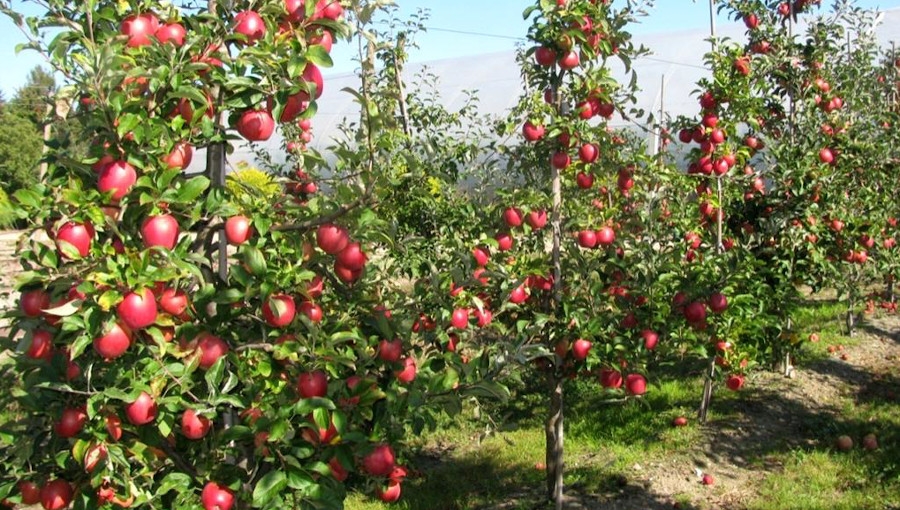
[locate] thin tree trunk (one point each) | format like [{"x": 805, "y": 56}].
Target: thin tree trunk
[
  {"x": 786, "y": 362},
  {"x": 554, "y": 429},
  {"x": 851, "y": 322},
  {"x": 398, "y": 78},
  {"x": 707, "y": 392},
  {"x": 555, "y": 434}
]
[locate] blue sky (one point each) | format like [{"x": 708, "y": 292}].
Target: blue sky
[{"x": 453, "y": 28}]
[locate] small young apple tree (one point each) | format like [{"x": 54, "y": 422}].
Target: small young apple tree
[{"x": 185, "y": 344}]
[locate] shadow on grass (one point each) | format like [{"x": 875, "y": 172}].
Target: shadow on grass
[
  {"x": 876, "y": 329},
  {"x": 481, "y": 482}
]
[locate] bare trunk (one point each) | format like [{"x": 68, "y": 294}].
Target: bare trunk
[
  {"x": 707, "y": 392},
  {"x": 851, "y": 322},
  {"x": 786, "y": 366},
  {"x": 554, "y": 429},
  {"x": 890, "y": 290},
  {"x": 554, "y": 432},
  {"x": 398, "y": 78}
]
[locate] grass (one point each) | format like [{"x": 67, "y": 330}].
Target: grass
[{"x": 607, "y": 442}]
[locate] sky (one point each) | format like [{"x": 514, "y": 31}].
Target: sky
[{"x": 455, "y": 28}]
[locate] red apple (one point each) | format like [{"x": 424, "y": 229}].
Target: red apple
[
  {"x": 173, "y": 301},
  {"x": 312, "y": 384},
  {"x": 338, "y": 471},
  {"x": 76, "y": 238},
  {"x": 31, "y": 493},
  {"x": 194, "y": 426},
  {"x": 256, "y": 125},
  {"x": 116, "y": 178},
  {"x": 569, "y": 61},
  {"x": 482, "y": 255},
  {"x": 635, "y": 384},
  {"x": 211, "y": 349},
  {"x": 56, "y": 494},
  {"x": 352, "y": 257},
  {"x": 707, "y": 479},
  {"x": 751, "y": 21},
  {"x": 250, "y": 24},
  {"x": 735, "y": 382},
  {"x": 584, "y": 180},
  {"x": 137, "y": 311},
  {"x": 346, "y": 274},
  {"x": 536, "y": 219},
  {"x": 142, "y": 411},
  {"x": 460, "y": 318},
  {"x": 389, "y": 495},
  {"x": 518, "y": 295},
  {"x": 505, "y": 241},
  {"x": 483, "y": 317},
  {"x": 651, "y": 339},
  {"x": 171, "y": 32},
  {"x": 844, "y": 443},
  {"x": 331, "y": 238},
  {"x": 870, "y": 442},
  {"x": 826, "y": 156},
  {"x": 114, "y": 342},
  {"x": 606, "y": 236},
  {"x": 312, "y": 311},
  {"x": 581, "y": 348},
  {"x": 279, "y": 310},
  {"x": 295, "y": 105},
  {"x": 513, "y": 217},
  {"x": 34, "y": 302},
  {"x": 560, "y": 160},
  {"x": 531, "y": 132},
  {"x": 408, "y": 373},
  {"x": 695, "y": 312},
  {"x": 216, "y": 497},
  {"x": 181, "y": 156},
  {"x": 390, "y": 350},
  {"x": 380, "y": 461},
  {"x": 588, "y": 153},
  {"x": 610, "y": 378},
  {"x": 680, "y": 421},
  {"x": 545, "y": 56},
  {"x": 587, "y": 238},
  {"x": 312, "y": 74},
  {"x": 70, "y": 422},
  {"x": 140, "y": 29},
  {"x": 114, "y": 427},
  {"x": 718, "y": 303},
  {"x": 322, "y": 38},
  {"x": 160, "y": 231}
]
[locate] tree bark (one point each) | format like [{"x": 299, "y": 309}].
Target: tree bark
[
  {"x": 555, "y": 434},
  {"x": 707, "y": 392}
]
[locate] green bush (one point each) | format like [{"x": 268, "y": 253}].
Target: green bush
[{"x": 7, "y": 216}]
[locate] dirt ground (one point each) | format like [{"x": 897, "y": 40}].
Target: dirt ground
[{"x": 777, "y": 413}]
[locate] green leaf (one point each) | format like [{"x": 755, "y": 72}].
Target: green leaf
[
  {"x": 28, "y": 198},
  {"x": 317, "y": 55},
  {"x": 172, "y": 481},
  {"x": 268, "y": 487},
  {"x": 254, "y": 259},
  {"x": 214, "y": 376},
  {"x": 192, "y": 189}
]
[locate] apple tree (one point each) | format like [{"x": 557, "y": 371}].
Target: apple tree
[
  {"x": 571, "y": 268},
  {"x": 185, "y": 344}
]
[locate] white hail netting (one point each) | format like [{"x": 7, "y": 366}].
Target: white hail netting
[{"x": 676, "y": 59}]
